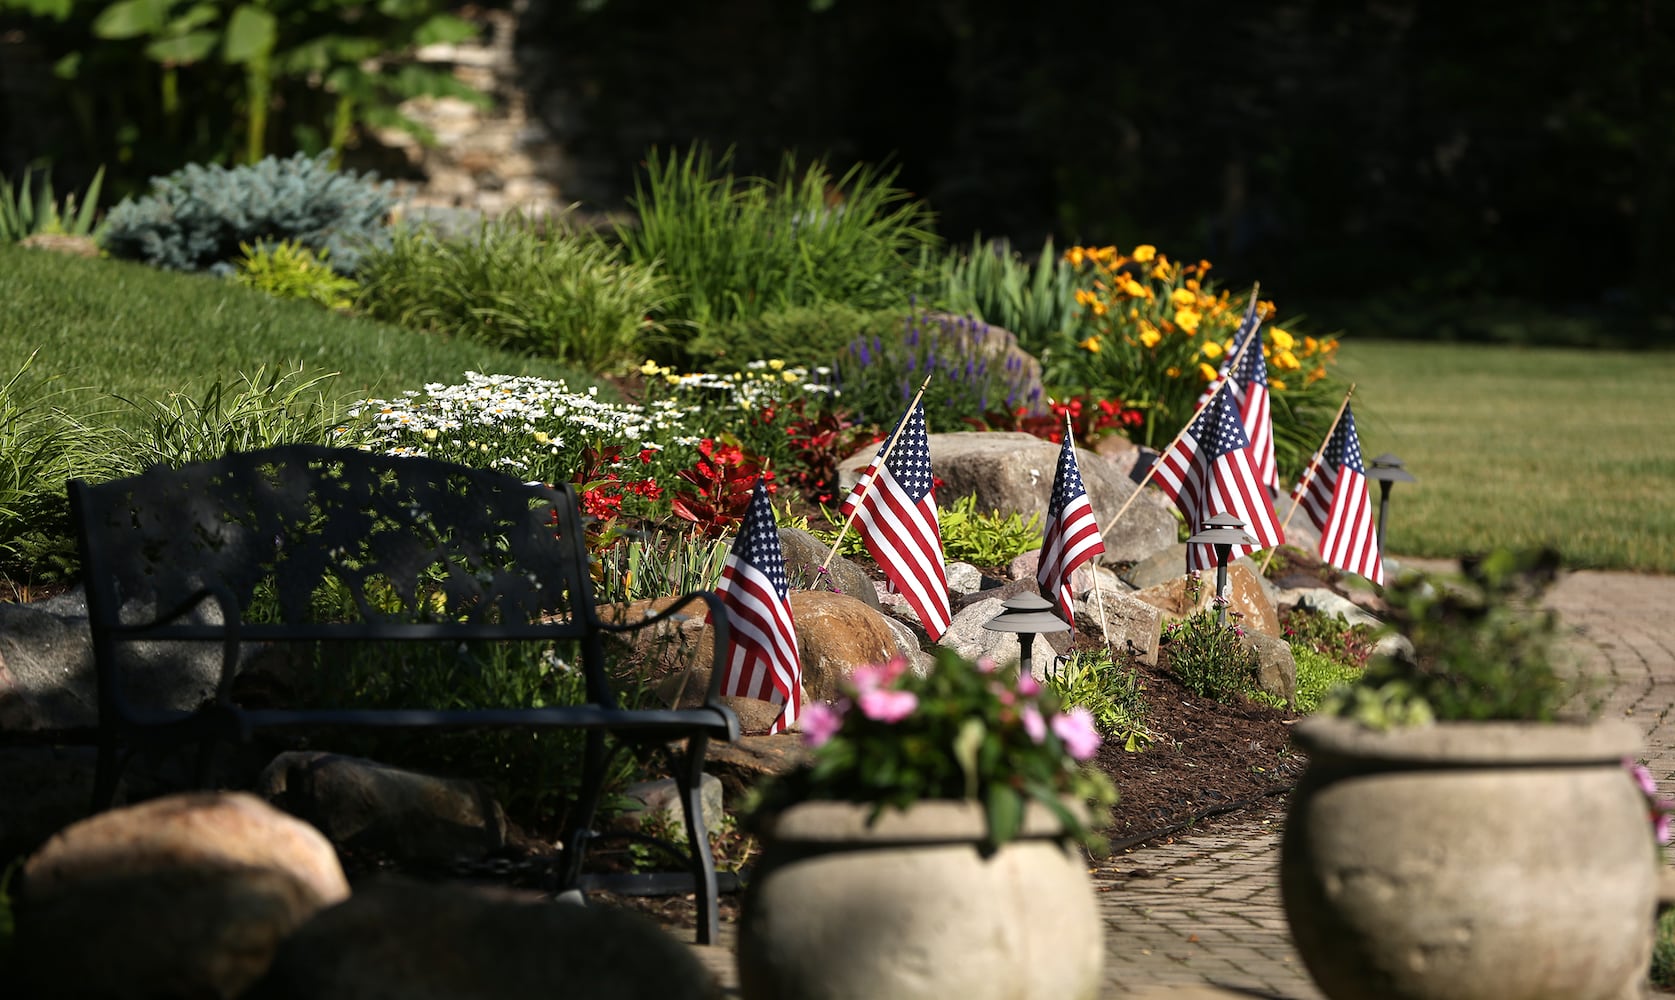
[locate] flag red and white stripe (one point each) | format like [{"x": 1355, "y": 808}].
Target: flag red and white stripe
[
  {"x": 1337, "y": 500},
  {"x": 1209, "y": 471},
  {"x": 762, "y": 660},
  {"x": 1071, "y": 537},
  {"x": 895, "y": 514},
  {"x": 1247, "y": 370}
]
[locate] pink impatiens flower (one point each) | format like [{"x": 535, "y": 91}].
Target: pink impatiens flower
[
  {"x": 820, "y": 722},
  {"x": 1034, "y": 724},
  {"x": 1028, "y": 686},
  {"x": 1076, "y": 729},
  {"x": 884, "y": 705}
]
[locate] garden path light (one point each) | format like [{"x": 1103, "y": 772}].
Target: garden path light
[
  {"x": 1026, "y": 614},
  {"x": 1223, "y": 531},
  {"x": 1388, "y": 470}
]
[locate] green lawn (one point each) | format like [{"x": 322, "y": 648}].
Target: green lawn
[
  {"x": 107, "y": 327},
  {"x": 1523, "y": 446}
]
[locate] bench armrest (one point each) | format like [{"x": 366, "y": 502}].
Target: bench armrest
[{"x": 718, "y": 625}]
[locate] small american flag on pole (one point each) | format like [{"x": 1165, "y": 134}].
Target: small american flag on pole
[
  {"x": 895, "y": 514},
  {"x": 1209, "y": 471},
  {"x": 762, "y": 658},
  {"x": 1248, "y": 374},
  {"x": 1072, "y": 535},
  {"x": 1337, "y": 500}
]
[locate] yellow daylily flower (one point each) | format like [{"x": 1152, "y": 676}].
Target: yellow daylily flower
[
  {"x": 1206, "y": 372},
  {"x": 1091, "y": 345},
  {"x": 1144, "y": 253},
  {"x": 1187, "y": 319},
  {"x": 1133, "y": 288},
  {"x": 1286, "y": 361},
  {"x": 1310, "y": 346},
  {"x": 1277, "y": 384},
  {"x": 1183, "y": 297},
  {"x": 1213, "y": 349},
  {"x": 1149, "y": 335},
  {"x": 1172, "y": 372},
  {"x": 1315, "y": 376},
  {"x": 1076, "y": 255},
  {"x": 1282, "y": 339}
]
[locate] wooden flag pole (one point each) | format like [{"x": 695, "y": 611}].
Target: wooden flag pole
[
  {"x": 1308, "y": 474},
  {"x": 883, "y": 457},
  {"x": 1232, "y": 363}
]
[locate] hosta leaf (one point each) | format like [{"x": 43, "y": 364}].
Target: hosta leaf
[
  {"x": 131, "y": 19},
  {"x": 188, "y": 48},
  {"x": 251, "y": 33}
]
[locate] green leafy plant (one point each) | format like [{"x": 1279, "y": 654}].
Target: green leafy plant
[
  {"x": 1331, "y": 636},
  {"x": 1035, "y": 301},
  {"x": 1318, "y": 677},
  {"x": 162, "y": 81},
  {"x": 258, "y": 411},
  {"x": 1662, "y": 974},
  {"x": 971, "y": 372},
  {"x": 808, "y": 336},
  {"x": 962, "y": 730},
  {"x": 991, "y": 539},
  {"x": 198, "y": 217},
  {"x": 289, "y": 270},
  {"x": 658, "y": 564},
  {"x": 25, "y": 212},
  {"x": 1210, "y": 657},
  {"x": 519, "y": 285},
  {"x": 1476, "y": 648},
  {"x": 738, "y": 247},
  {"x": 1111, "y": 692}
]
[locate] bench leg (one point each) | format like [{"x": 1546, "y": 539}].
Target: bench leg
[
  {"x": 594, "y": 760},
  {"x": 690, "y": 779}
]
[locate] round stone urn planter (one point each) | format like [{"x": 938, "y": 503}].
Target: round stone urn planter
[
  {"x": 910, "y": 908},
  {"x": 1470, "y": 861}
]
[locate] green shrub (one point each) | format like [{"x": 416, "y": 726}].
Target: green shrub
[
  {"x": 1111, "y": 692},
  {"x": 289, "y": 270},
  {"x": 1209, "y": 657},
  {"x": 660, "y": 564},
  {"x": 563, "y": 295},
  {"x": 740, "y": 247},
  {"x": 969, "y": 373},
  {"x": 1331, "y": 636},
  {"x": 196, "y": 218},
  {"x": 24, "y": 212},
  {"x": 1035, "y": 301}
]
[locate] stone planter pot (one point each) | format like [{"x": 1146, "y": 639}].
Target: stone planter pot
[
  {"x": 908, "y": 908},
  {"x": 1470, "y": 861}
]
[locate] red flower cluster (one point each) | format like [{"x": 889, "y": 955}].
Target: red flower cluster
[
  {"x": 722, "y": 482},
  {"x": 1089, "y": 422},
  {"x": 818, "y": 444},
  {"x": 601, "y": 489}
]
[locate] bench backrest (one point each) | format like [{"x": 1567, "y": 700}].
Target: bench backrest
[{"x": 311, "y": 542}]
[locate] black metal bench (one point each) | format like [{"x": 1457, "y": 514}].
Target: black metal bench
[{"x": 343, "y": 549}]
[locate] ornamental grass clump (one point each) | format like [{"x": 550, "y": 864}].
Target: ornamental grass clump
[
  {"x": 961, "y": 731},
  {"x": 1476, "y": 648}
]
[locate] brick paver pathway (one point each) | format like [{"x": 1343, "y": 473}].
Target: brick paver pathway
[{"x": 1200, "y": 918}]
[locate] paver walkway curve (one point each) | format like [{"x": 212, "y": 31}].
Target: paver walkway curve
[{"x": 1200, "y": 916}]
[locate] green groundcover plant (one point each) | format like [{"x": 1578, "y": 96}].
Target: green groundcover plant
[{"x": 962, "y": 731}]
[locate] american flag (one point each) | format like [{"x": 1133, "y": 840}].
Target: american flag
[
  {"x": 1209, "y": 471},
  {"x": 1249, "y": 376},
  {"x": 1072, "y": 536},
  {"x": 1337, "y": 500},
  {"x": 896, "y": 518},
  {"x": 762, "y": 659},
  {"x": 864, "y": 482}
]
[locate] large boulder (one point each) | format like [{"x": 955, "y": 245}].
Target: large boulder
[
  {"x": 1012, "y": 473},
  {"x": 1246, "y": 595},
  {"x": 363, "y": 805},
  {"x": 1276, "y": 666},
  {"x": 397, "y": 940},
  {"x": 1129, "y": 622},
  {"x": 805, "y": 555},
  {"x": 186, "y": 895}
]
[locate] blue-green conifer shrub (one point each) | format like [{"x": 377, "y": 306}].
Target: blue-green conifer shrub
[{"x": 195, "y": 218}]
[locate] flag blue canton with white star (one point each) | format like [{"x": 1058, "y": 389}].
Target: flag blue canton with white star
[
  {"x": 762, "y": 658},
  {"x": 1345, "y": 449},
  {"x": 760, "y": 538},
  {"x": 910, "y": 463},
  {"x": 1219, "y": 430}
]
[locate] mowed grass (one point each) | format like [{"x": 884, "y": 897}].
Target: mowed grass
[
  {"x": 107, "y": 328},
  {"x": 1522, "y": 447}
]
